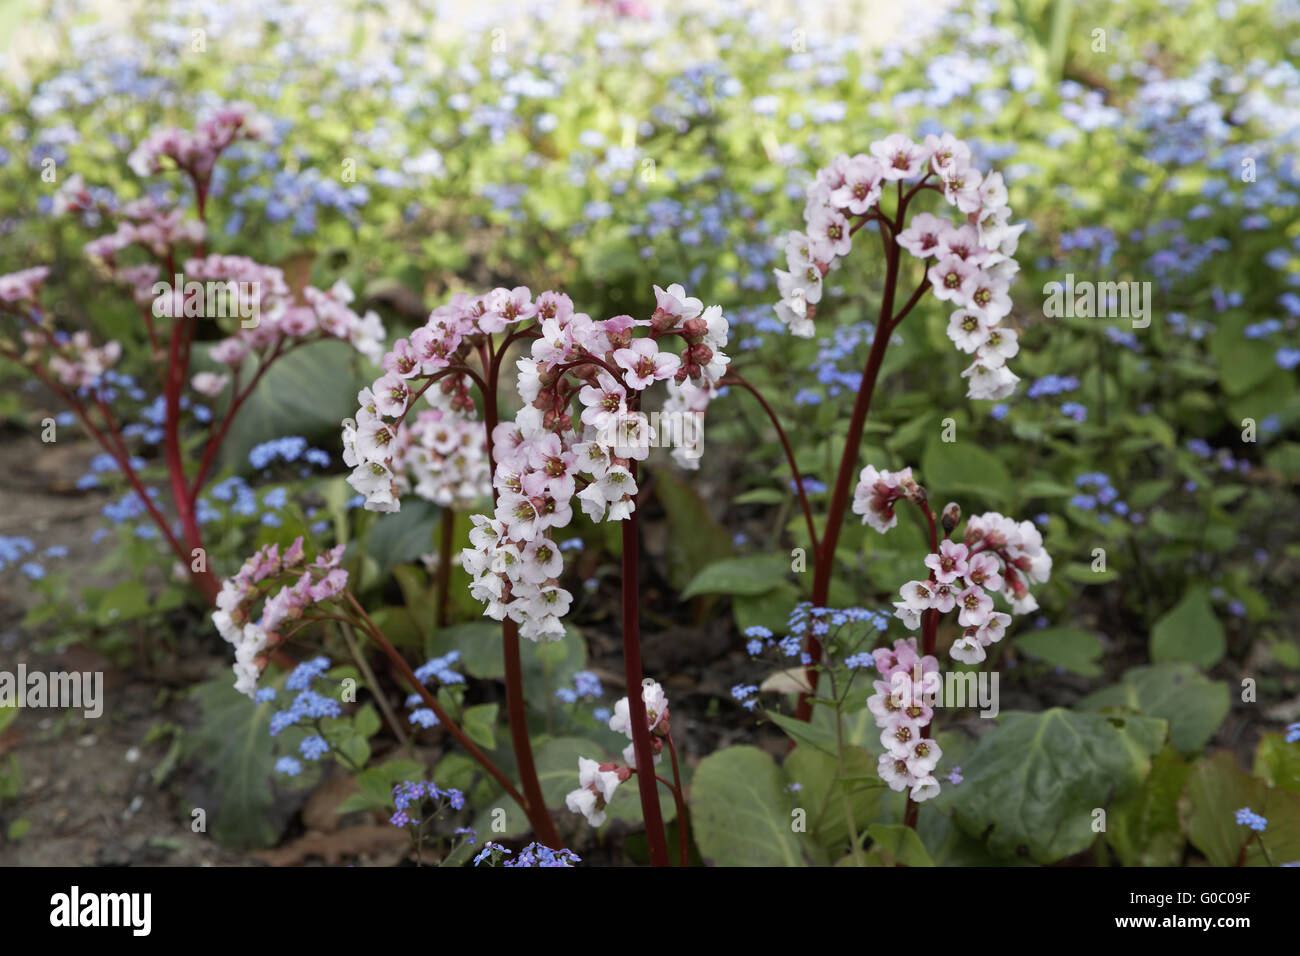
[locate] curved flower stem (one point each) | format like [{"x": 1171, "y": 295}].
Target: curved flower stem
[
  {"x": 345, "y": 629},
  {"x": 471, "y": 748},
  {"x": 656, "y": 838},
  {"x": 237, "y": 400},
  {"x": 734, "y": 377},
  {"x": 683, "y": 830},
  {"x": 110, "y": 439},
  {"x": 915, "y": 297}
]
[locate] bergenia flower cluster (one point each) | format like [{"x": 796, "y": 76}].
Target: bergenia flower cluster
[
  {"x": 997, "y": 556},
  {"x": 253, "y": 634},
  {"x": 579, "y": 434},
  {"x": 376, "y": 444},
  {"x": 903, "y": 710},
  {"x": 969, "y": 263},
  {"x": 283, "y": 321},
  {"x": 597, "y": 781},
  {"x": 196, "y": 152}
]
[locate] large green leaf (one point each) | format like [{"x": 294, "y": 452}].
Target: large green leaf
[
  {"x": 1277, "y": 762},
  {"x": 823, "y": 788},
  {"x": 479, "y": 643},
  {"x": 1034, "y": 781},
  {"x": 695, "y": 539},
  {"x": 963, "y": 468},
  {"x": 1216, "y": 789},
  {"x": 307, "y": 392},
  {"x": 1193, "y": 705},
  {"x": 1189, "y": 632},
  {"x": 893, "y": 844},
  {"x": 401, "y": 536},
  {"x": 750, "y": 575},
  {"x": 740, "y": 814},
  {"x": 1142, "y": 828},
  {"x": 557, "y": 766},
  {"x": 233, "y": 740}
]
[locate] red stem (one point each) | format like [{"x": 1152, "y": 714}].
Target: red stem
[
  {"x": 734, "y": 377},
  {"x": 236, "y": 402},
  {"x": 404, "y": 668},
  {"x": 656, "y": 838}
]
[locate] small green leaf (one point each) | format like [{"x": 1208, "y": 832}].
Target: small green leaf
[
  {"x": 749, "y": 576},
  {"x": 1076, "y": 651},
  {"x": 1189, "y": 632},
  {"x": 1193, "y": 705},
  {"x": 480, "y": 725},
  {"x": 894, "y": 844}
]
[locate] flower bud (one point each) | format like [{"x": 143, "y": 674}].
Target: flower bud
[
  {"x": 951, "y": 516},
  {"x": 694, "y": 328}
]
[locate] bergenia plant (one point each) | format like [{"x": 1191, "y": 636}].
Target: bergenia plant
[
  {"x": 966, "y": 260},
  {"x": 580, "y": 433},
  {"x": 997, "y": 556},
  {"x": 157, "y": 251}
]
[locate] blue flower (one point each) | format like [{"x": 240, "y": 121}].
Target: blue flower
[
  {"x": 1249, "y": 818},
  {"x": 313, "y": 747},
  {"x": 288, "y": 766},
  {"x": 424, "y": 717},
  {"x": 306, "y": 672}
]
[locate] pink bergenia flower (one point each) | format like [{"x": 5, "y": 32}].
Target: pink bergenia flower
[
  {"x": 645, "y": 364},
  {"x": 899, "y": 157}
]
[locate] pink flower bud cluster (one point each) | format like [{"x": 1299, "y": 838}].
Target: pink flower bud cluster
[
  {"x": 375, "y": 446},
  {"x": 279, "y": 320},
  {"x": 998, "y": 556},
  {"x": 902, "y": 707},
  {"x": 556, "y": 450},
  {"x": 23, "y": 286},
  {"x": 72, "y": 360},
  {"x": 598, "y": 781},
  {"x": 145, "y": 223},
  {"x": 196, "y": 152},
  {"x": 253, "y": 636},
  {"x": 970, "y": 264}
]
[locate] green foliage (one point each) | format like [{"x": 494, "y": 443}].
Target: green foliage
[
  {"x": 741, "y": 815},
  {"x": 1033, "y": 783}
]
